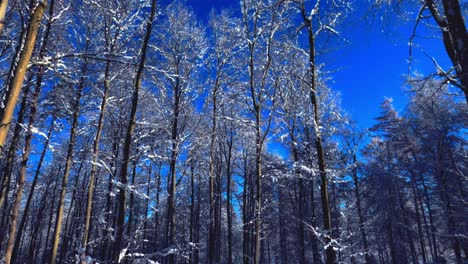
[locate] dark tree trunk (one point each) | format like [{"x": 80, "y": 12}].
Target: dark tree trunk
[
  {"x": 128, "y": 137},
  {"x": 330, "y": 252}
]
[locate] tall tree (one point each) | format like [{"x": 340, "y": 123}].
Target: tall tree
[
  {"x": 123, "y": 178},
  {"x": 310, "y": 18},
  {"x": 15, "y": 85}
]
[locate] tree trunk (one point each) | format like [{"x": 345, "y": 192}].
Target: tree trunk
[
  {"x": 147, "y": 207},
  {"x": 19, "y": 194},
  {"x": 229, "y": 196},
  {"x": 3, "y": 9},
  {"x": 129, "y": 135},
  {"x": 171, "y": 215},
  {"x": 132, "y": 198},
  {"x": 357, "y": 192},
  {"x": 89, "y": 205},
  {"x": 212, "y": 232},
  {"x": 455, "y": 37},
  {"x": 28, "y": 138},
  {"x": 330, "y": 252},
  {"x": 33, "y": 186},
  {"x": 68, "y": 163},
  {"x": 15, "y": 85},
  {"x": 8, "y": 171}
]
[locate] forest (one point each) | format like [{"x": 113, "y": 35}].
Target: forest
[{"x": 140, "y": 131}]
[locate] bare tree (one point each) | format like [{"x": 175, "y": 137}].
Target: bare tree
[
  {"x": 21, "y": 67},
  {"x": 116, "y": 256}
]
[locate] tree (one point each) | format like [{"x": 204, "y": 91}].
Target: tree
[
  {"x": 27, "y": 150},
  {"x": 116, "y": 255},
  {"x": 3, "y": 9},
  {"x": 181, "y": 48},
  {"x": 451, "y": 24},
  {"x": 310, "y": 19},
  {"x": 9, "y": 103},
  {"x": 261, "y": 22}
]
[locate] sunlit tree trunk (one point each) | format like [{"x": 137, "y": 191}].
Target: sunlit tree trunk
[
  {"x": 3, "y": 9},
  {"x": 16, "y": 83},
  {"x": 28, "y": 139}
]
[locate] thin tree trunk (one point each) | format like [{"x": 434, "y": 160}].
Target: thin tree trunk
[
  {"x": 89, "y": 205},
  {"x": 212, "y": 232},
  {"x": 171, "y": 216},
  {"x": 282, "y": 228},
  {"x": 197, "y": 219},
  {"x": 192, "y": 211},
  {"x": 245, "y": 214},
  {"x": 418, "y": 217},
  {"x": 229, "y": 196},
  {"x": 330, "y": 252},
  {"x": 156, "y": 213},
  {"x": 132, "y": 198},
  {"x": 357, "y": 192},
  {"x": 129, "y": 135},
  {"x": 109, "y": 197},
  {"x": 10, "y": 164},
  {"x": 50, "y": 222},
  {"x": 147, "y": 207},
  {"x": 36, "y": 176},
  {"x": 19, "y": 194},
  {"x": 71, "y": 214},
  {"x": 68, "y": 163}
]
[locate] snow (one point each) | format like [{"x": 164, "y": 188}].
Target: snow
[{"x": 35, "y": 130}]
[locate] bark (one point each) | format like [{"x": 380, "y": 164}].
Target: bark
[
  {"x": 246, "y": 215},
  {"x": 212, "y": 232},
  {"x": 455, "y": 37},
  {"x": 28, "y": 138},
  {"x": 71, "y": 214},
  {"x": 5, "y": 174},
  {"x": 68, "y": 164},
  {"x": 109, "y": 197},
  {"x": 229, "y": 196},
  {"x": 32, "y": 250},
  {"x": 27, "y": 151},
  {"x": 132, "y": 198},
  {"x": 129, "y": 135},
  {"x": 171, "y": 214},
  {"x": 156, "y": 213},
  {"x": 147, "y": 207},
  {"x": 192, "y": 211},
  {"x": 357, "y": 192},
  {"x": 3, "y": 9},
  {"x": 89, "y": 205},
  {"x": 16, "y": 83},
  {"x": 10, "y": 164},
  {"x": 19, "y": 193},
  {"x": 330, "y": 252}
]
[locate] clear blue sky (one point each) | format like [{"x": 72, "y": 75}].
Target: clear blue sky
[{"x": 373, "y": 65}]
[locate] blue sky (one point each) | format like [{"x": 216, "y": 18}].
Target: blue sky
[{"x": 373, "y": 65}]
